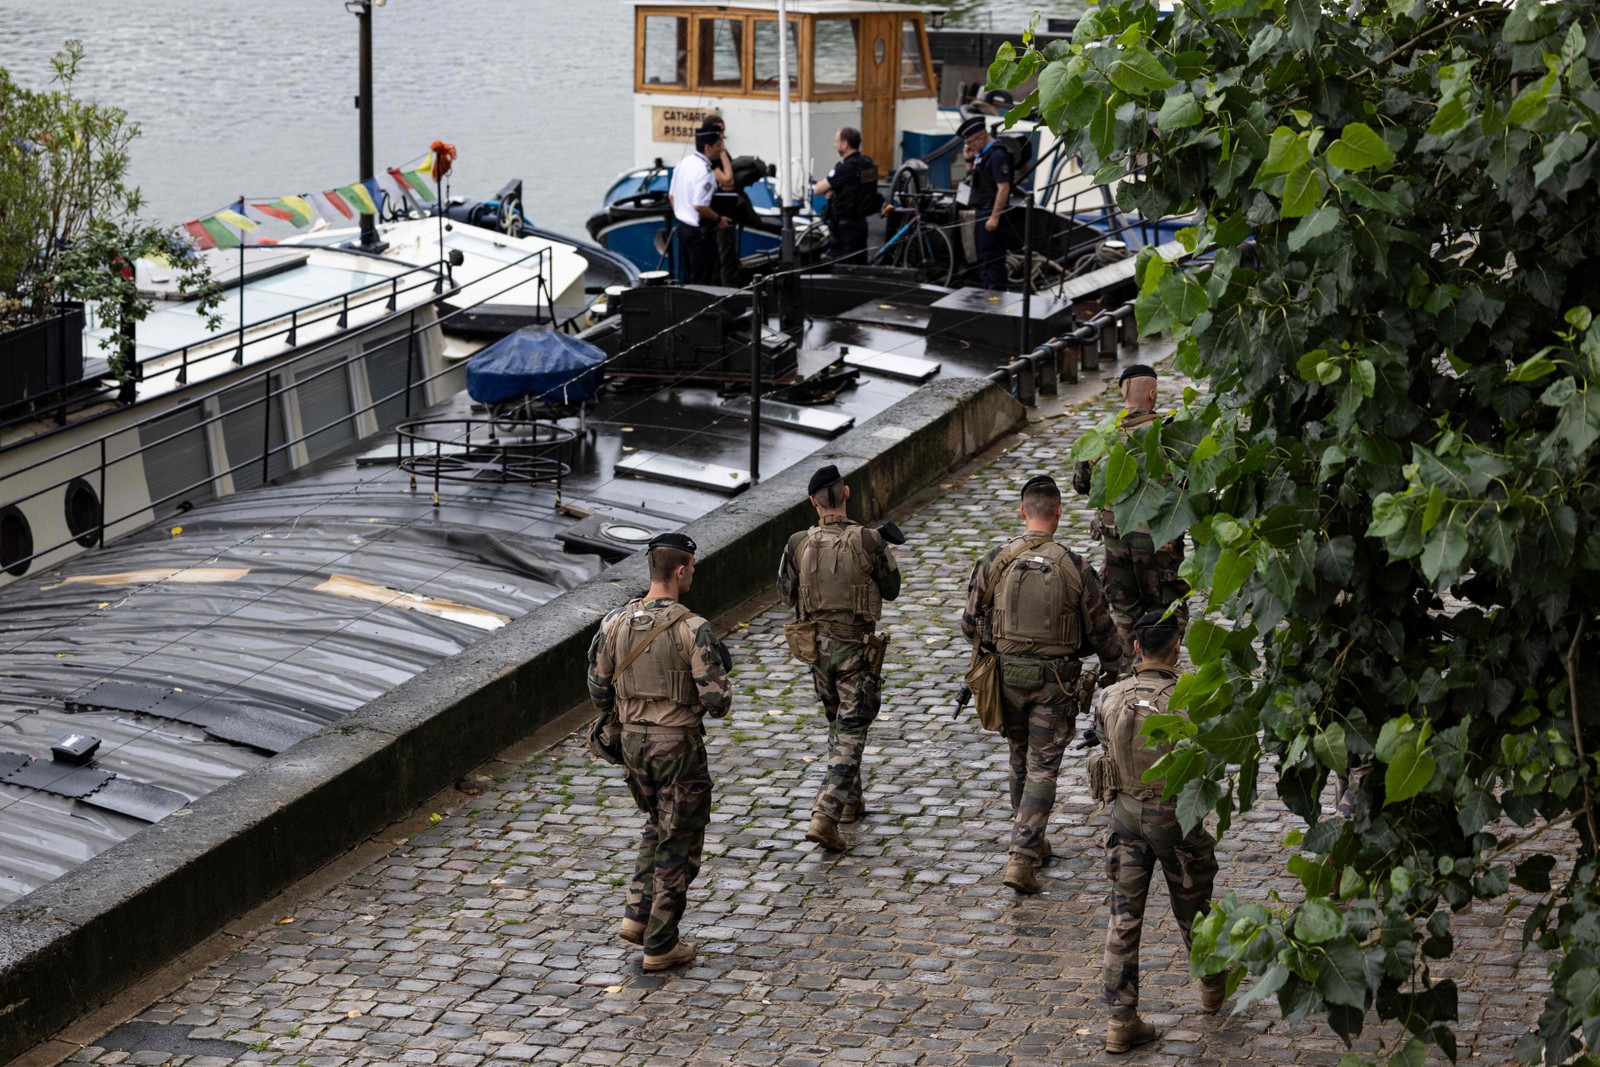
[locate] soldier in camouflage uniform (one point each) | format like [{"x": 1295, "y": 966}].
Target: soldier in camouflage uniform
[
  {"x": 1138, "y": 576},
  {"x": 662, "y": 668},
  {"x": 1041, "y": 608},
  {"x": 1144, "y": 831},
  {"x": 836, "y": 576}
]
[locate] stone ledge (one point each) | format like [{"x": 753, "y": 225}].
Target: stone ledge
[{"x": 71, "y": 945}]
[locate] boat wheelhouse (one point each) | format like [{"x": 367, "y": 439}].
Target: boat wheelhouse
[{"x": 851, "y": 63}]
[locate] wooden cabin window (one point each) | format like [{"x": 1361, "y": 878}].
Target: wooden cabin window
[
  {"x": 764, "y": 66},
  {"x": 913, "y": 74},
  {"x": 721, "y": 54},
  {"x": 836, "y": 55},
  {"x": 664, "y": 52}
]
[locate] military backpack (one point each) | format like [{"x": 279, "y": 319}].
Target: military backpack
[
  {"x": 1036, "y": 601},
  {"x": 651, "y": 669}
]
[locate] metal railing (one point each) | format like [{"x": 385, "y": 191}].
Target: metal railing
[
  {"x": 100, "y": 445},
  {"x": 1040, "y": 371}
]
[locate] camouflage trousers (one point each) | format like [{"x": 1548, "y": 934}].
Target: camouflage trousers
[
  {"x": 850, "y": 693},
  {"x": 1141, "y": 835},
  {"x": 1140, "y": 577},
  {"x": 669, "y": 780},
  {"x": 1040, "y": 719}
]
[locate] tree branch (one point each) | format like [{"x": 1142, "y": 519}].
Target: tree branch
[
  {"x": 1429, "y": 32},
  {"x": 1577, "y": 731}
]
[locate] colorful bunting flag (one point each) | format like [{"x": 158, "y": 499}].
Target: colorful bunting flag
[
  {"x": 358, "y": 197},
  {"x": 236, "y": 220},
  {"x": 211, "y": 233},
  {"x": 415, "y": 181},
  {"x": 290, "y": 209}
]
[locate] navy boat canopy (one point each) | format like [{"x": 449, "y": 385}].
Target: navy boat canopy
[{"x": 536, "y": 362}]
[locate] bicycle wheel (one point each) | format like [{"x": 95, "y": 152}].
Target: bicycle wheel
[{"x": 927, "y": 251}]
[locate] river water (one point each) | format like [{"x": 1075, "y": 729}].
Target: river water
[{"x": 258, "y": 99}]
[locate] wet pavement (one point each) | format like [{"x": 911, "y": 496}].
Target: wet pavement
[{"x": 489, "y": 934}]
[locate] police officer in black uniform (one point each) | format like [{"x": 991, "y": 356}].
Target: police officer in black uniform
[
  {"x": 990, "y": 191},
  {"x": 852, "y": 191}
]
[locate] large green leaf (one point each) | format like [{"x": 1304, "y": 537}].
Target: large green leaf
[
  {"x": 1136, "y": 71},
  {"x": 1122, "y": 470},
  {"x": 1329, "y": 745},
  {"x": 1286, "y": 151},
  {"x": 1302, "y": 192},
  {"x": 1342, "y": 975},
  {"x": 1409, "y": 772},
  {"x": 1319, "y": 222},
  {"x": 1179, "y": 111},
  {"x": 1228, "y": 576},
  {"x": 1359, "y": 148},
  {"x": 1317, "y": 922},
  {"x": 1204, "y": 640}
]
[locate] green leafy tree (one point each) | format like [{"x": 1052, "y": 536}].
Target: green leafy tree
[
  {"x": 69, "y": 225},
  {"x": 1390, "y": 482}
]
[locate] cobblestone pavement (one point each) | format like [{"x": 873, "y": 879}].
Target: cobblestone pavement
[{"x": 490, "y": 936}]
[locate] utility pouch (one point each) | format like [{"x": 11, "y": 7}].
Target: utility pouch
[
  {"x": 680, "y": 684},
  {"x": 802, "y": 637},
  {"x": 983, "y": 678},
  {"x": 605, "y": 738},
  {"x": 1097, "y": 529},
  {"x": 1102, "y": 772},
  {"x": 1022, "y": 674},
  {"x": 876, "y": 646}
]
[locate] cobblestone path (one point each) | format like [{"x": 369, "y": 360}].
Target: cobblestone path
[{"x": 490, "y": 936}]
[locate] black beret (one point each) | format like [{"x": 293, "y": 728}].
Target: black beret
[
  {"x": 824, "y": 477},
  {"x": 682, "y": 542},
  {"x": 1039, "y": 481},
  {"x": 971, "y": 126},
  {"x": 1138, "y": 370}
]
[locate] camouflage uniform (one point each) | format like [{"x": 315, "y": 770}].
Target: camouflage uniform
[
  {"x": 1041, "y": 716},
  {"x": 664, "y": 755},
  {"x": 1143, "y": 830},
  {"x": 846, "y": 682},
  {"x": 1138, "y": 576}
]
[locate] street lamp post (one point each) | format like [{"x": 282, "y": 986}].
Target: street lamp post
[{"x": 362, "y": 10}]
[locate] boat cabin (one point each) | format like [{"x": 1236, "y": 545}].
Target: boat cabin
[{"x": 851, "y": 63}]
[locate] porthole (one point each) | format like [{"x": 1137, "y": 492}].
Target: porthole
[
  {"x": 16, "y": 541},
  {"x": 83, "y": 513},
  {"x": 879, "y": 51}
]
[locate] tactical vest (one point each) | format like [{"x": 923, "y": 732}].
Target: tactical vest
[
  {"x": 861, "y": 200},
  {"x": 1123, "y": 714},
  {"x": 836, "y": 575},
  {"x": 660, "y": 672},
  {"x": 1036, "y": 602}
]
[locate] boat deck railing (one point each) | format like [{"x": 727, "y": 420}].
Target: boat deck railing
[
  {"x": 103, "y": 458},
  {"x": 283, "y": 330}
]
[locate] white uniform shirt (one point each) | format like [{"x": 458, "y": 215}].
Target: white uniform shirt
[{"x": 693, "y": 182}]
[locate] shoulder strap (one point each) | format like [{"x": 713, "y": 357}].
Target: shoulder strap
[{"x": 672, "y": 619}]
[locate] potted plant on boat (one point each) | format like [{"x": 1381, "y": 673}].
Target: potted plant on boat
[{"x": 70, "y": 234}]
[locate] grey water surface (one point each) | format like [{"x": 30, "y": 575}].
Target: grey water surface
[{"x": 256, "y": 97}]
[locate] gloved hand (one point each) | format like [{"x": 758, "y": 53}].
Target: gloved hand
[{"x": 727, "y": 657}]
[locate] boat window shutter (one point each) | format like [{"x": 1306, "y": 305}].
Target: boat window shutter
[
  {"x": 385, "y": 361},
  {"x": 323, "y": 394},
  {"x": 243, "y": 417},
  {"x": 177, "y": 471}
]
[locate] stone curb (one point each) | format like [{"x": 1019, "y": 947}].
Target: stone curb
[{"x": 71, "y": 945}]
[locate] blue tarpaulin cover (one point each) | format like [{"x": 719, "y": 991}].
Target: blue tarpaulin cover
[{"x": 535, "y": 362}]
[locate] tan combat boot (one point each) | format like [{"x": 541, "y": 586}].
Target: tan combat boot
[
  {"x": 675, "y": 956},
  {"x": 825, "y": 832},
  {"x": 632, "y": 931},
  {"x": 1127, "y": 1032},
  {"x": 1045, "y": 851},
  {"x": 1022, "y": 874},
  {"x": 854, "y": 811}
]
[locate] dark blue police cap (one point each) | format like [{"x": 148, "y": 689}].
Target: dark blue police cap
[
  {"x": 975, "y": 124},
  {"x": 682, "y": 542},
  {"x": 824, "y": 477}
]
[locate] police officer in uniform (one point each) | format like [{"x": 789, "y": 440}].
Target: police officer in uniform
[
  {"x": 851, "y": 188},
  {"x": 728, "y": 200},
  {"x": 987, "y": 191},
  {"x": 1139, "y": 577},
  {"x": 696, "y": 221},
  {"x": 836, "y": 576},
  {"x": 1040, "y": 607},
  {"x": 1145, "y": 831},
  {"x": 661, "y": 667}
]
